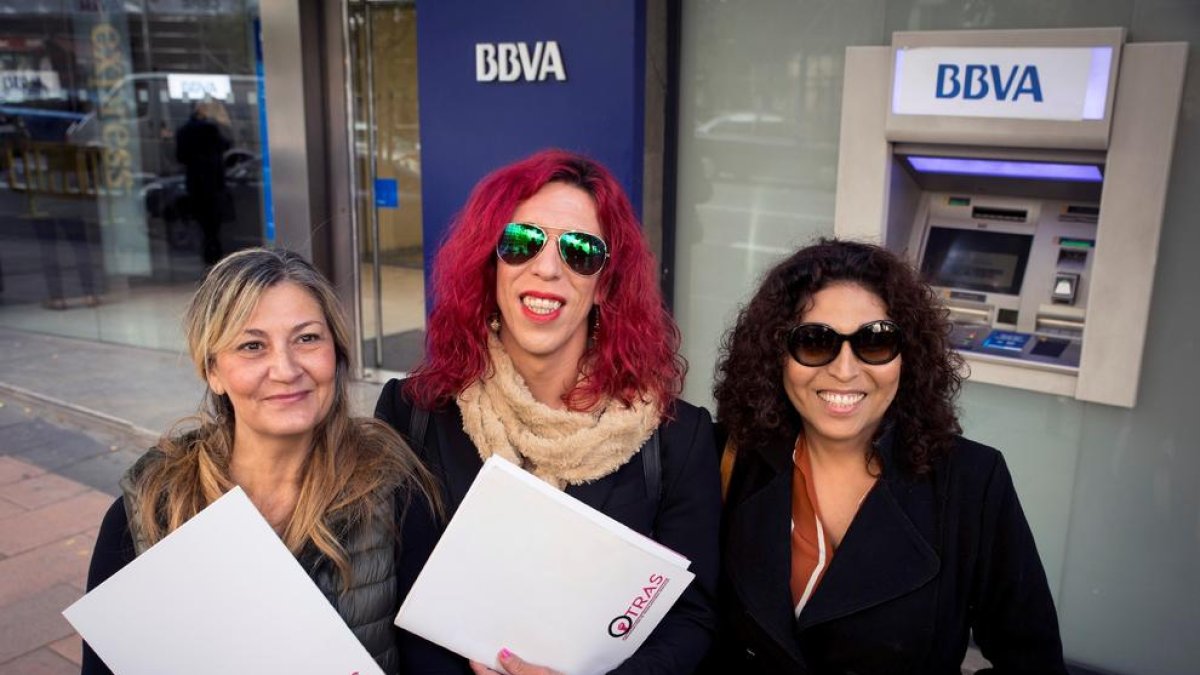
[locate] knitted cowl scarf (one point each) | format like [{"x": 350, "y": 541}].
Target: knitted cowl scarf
[{"x": 561, "y": 447}]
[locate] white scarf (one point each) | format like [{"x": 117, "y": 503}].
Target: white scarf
[{"x": 561, "y": 447}]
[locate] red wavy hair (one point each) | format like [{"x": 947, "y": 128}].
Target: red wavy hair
[{"x": 635, "y": 354}]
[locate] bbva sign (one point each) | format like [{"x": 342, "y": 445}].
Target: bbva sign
[
  {"x": 976, "y": 81},
  {"x": 512, "y": 61}
]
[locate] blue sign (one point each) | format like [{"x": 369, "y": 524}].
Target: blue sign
[
  {"x": 1006, "y": 340},
  {"x": 500, "y": 80},
  {"x": 387, "y": 195}
]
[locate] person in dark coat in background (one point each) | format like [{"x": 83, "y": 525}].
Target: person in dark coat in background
[
  {"x": 200, "y": 146},
  {"x": 862, "y": 533},
  {"x": 549, "y": 345}
]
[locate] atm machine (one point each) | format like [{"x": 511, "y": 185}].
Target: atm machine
[{"x": 1024, "y": 174}]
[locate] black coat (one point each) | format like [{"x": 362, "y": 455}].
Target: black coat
[
  {"x": 685, "y": 518},
  {"x": 200, "y": 147},
  {"x": 925, "y": 561}
]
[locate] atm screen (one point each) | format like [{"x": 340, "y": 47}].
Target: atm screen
[{"x": 992, "y": 262}]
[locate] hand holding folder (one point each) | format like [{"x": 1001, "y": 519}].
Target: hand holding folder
[
  {"x": 527, "y": 568},
  {"x": 221, "y": 594}
]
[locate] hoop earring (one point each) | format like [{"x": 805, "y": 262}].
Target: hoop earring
[{"x": 493, "y": 323}]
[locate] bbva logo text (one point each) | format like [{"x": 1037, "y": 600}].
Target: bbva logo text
[
  {"x": 975, "y": 81},
  {"x": 510, "y": 61}
]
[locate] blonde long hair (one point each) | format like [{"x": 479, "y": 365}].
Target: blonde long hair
[{"x": 355, "y": 465}]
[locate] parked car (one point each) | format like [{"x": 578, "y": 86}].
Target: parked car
[{"x": 167, "y": 200}]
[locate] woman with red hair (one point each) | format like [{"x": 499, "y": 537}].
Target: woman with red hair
[{"x": 550, "y": 346}]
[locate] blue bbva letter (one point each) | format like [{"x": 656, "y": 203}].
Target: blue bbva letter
[
  {"x": 975, "y": 84},
  {"x": 1029, "y": 84},
  {"x": 947, "y": 74}
]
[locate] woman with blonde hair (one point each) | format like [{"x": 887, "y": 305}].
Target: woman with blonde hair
[{"x": 267, "y": 338}]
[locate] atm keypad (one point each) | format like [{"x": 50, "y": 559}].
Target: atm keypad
[{"x": 1015, "y": 345}]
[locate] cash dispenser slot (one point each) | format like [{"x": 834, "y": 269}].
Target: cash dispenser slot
[
  {"x": 1002, "y": 214},
  {"x": 970, "y": 315},
  {"x": 1060, "y": 321}
]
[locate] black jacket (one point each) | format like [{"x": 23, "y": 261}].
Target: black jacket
[
  {"x": 926, "y": 560},
  {"x": 200, "y": 147},
  {"x": 684, "y": 518}
]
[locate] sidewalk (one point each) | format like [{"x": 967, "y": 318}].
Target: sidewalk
[
  {"x": 48, "y": 525},
  {"x": 74, "y": 415}
]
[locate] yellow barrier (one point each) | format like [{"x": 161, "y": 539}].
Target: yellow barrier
[{"x": 47, "y": 169}]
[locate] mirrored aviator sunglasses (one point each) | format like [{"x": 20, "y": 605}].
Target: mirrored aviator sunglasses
[
  {"x": 816, "y": 344},
  {"x": 583, "y": 252}
]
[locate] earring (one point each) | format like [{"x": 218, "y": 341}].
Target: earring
[
  {"x": 493, "y": 323},
  {"x": 595, "y": 321}
]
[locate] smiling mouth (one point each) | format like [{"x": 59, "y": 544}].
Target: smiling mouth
[
  {"x": 841, "y": 401},
  {"x": 287, "y": 398},
  {"x": 541, "y": 306}
]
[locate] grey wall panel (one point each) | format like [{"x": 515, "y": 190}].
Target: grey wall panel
[{"x": 295, "y": 107}]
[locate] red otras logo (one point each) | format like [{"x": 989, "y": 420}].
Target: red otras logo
[{"x": 624, "y": 624}]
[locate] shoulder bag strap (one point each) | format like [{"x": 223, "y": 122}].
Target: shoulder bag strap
[
  {"x": 728, "y": 457},
  {"x": 418, "y": 424},
  {"x": 418, "y": 430},
  {"x": 652, "y": 466}
]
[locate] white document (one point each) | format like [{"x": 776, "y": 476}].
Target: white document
[
  {"x": 221, "y": 594},
  {"x": 526, "y": 567}
]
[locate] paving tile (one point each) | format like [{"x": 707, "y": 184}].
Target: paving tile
[
  {"x": 8, "y": 508},
  {"x": 36, "y": 621},
  {"x": 13, "y": 469},
  {"x": 102, "y": 472},
  {"x": 11, "y": 413},
  {"x": 26, "y": 435},
  {"x": 59, "y": 562},
  {"x": 60, "y": 520},
  {"x": 70, "y": 648},
  {"x": 60, "y": 447},
  {"x": 36, "y": 492},
  {"x": 43, "y": 661}
]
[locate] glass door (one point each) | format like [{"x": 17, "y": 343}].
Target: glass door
[{"x": 382, "y": 39}]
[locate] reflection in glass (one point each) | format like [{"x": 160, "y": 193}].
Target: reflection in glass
[{"x": 110, "y": 204}]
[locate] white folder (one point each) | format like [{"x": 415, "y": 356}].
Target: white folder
[
  {"x": 221, "y": 594},
  {"x": 526, "y": 567}
]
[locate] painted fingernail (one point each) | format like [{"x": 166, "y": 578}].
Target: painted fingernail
[{"x": 505, "y": 654}]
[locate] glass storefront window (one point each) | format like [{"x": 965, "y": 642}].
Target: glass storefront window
[{"x": 130, "y": 159}]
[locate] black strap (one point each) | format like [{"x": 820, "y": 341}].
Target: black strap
[
  {"x": 418, "y": 423},
  {"x": 652, "y": 464},
  {"x": 418, "y": 428}
]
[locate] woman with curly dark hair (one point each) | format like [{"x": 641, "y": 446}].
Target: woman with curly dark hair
[{"x": 862, "y": 533}]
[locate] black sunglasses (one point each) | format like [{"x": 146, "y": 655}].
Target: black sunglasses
[
  {"x": 583, "y": 252},
  {"x": 815, "y": 344}
]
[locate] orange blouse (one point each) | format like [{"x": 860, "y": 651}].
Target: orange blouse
[{"x": 812, "y": 549}]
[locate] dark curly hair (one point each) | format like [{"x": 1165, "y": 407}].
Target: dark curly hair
[{"x": 749, "y": 391}]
